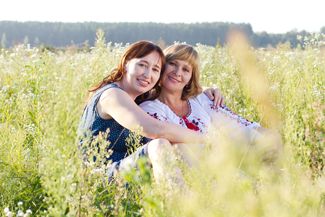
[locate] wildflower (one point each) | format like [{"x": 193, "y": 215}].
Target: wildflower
[
  {"x": 6, "y": 210},
  {"x": 29, "y": 211},
  {"x": 9, "y": 214},
  {"x": 20, "y": 213},
  {"x": 20, "y": 203}
]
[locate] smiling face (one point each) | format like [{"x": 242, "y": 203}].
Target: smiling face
[
  {"x": 141, "y": 74},
  {"x": 177, "y": 75}
]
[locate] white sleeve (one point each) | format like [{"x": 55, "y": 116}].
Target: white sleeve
[
  {"x": 154, "y": 110},
  {"x": 212, "y": 110}
]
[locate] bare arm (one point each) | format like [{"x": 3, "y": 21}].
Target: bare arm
[{"x": 117, "y": 104}]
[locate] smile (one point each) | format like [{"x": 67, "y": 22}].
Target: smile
[
  {"x": 143, "y": 83},
  {"x": 173, "y": 79}
]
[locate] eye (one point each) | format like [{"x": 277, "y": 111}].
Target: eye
[
  {"x": 186, "y": 70},
  {"x": 142, "y": 65},
  {"x": 172, "y": 63},
  {"x": 156, "y": 69}
]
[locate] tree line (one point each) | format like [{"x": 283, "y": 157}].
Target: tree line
[{"x": 59, "y": 34}]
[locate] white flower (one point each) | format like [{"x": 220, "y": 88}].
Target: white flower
[
  {"x": 29, "y": 211},
  {"x": 6, "y": 209},
  {"x": 20, "y": 213},
  {"x": 9, "y": 214},
  {"x": 20, "y": 203}
]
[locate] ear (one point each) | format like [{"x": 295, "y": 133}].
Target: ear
[{"x": 125, "y": 66}]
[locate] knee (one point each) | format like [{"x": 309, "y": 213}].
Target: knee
[
  {"x": 158, "y": 146},
  {"x": 179, "y": 145}
]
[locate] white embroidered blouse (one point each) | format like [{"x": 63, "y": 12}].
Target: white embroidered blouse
[{"x": 202, "y": 114}]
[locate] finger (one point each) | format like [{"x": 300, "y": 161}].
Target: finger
[
  {"x": 266, "y": 157},
  {"x": 210, "y": 95},
  {"x": 269, "y": 157},
  {"x": 218, "y": 103},
  {"x": 222, "y": 101},
  {"x": 272, "y": 149},
  {"x": 217, "y": 94},
  {"x": 218, "y": 100}
]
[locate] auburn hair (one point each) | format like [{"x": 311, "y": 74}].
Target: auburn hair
[{"x": 137, "y": 50}]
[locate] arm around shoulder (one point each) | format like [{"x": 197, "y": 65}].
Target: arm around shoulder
[{"x": 117, "y": 104}]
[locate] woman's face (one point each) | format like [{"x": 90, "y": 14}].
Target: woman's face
[
  {"x": 142, "y": 73},
  {"x": 177, "y": 74}
]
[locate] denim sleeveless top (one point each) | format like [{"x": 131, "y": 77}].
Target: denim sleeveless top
[{"x": 91, "y": 121}]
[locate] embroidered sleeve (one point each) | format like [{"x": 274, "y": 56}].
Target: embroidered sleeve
[
  {"x": 208, "y": 106},
  {"x": 154, "y": 110},
  {"x": 233, "y": 115}
]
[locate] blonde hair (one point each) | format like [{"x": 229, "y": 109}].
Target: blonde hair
[{"x": 187, "y": 53}]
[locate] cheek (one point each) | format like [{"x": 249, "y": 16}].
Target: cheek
[{"x": 156, "y": 77}]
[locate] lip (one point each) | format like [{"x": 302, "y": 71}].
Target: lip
[
  {"x": 143, "y": 83},
  {"x": 173, "y": 79}
]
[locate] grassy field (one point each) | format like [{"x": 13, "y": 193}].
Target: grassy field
[{"x": 42, "y": 96}]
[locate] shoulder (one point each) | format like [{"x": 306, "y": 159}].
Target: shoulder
[
  {"x": 202, "y": 97},
  {"x": 149, "y": 103},
  {"x": 113, "y": 91},
  {"x": 154, "y": 104}
]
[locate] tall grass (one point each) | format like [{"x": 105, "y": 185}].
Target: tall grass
[{"x": 42, "y": 96}]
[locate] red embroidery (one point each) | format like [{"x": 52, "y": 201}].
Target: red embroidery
[{"x": 189, "y": 125}]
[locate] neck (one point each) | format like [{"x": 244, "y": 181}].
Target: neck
[
  {"x": 170, "y": 98},
  {"x": 125, "y": 87},
  {"x": 174, "y": 101}
]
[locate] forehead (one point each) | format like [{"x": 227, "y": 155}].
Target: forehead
[
  {"x": 182, "y": 62},
  {"x": 153, "y": 58}
]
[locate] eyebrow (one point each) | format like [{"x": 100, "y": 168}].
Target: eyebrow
[
  {"x": 156, "y": 65},
  {"x": 186, "y": 66}
]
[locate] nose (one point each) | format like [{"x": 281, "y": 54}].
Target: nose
[
  {"x": 177, "y": 71},
  {"x": 147, "y": 72}
]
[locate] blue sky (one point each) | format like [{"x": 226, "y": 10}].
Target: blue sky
[{"x": 276, "y": 16}]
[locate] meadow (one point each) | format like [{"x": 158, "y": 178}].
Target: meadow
[{"x": 42, "y": 95}]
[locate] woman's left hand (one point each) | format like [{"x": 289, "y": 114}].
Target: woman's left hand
[{"x": 215, "y": 95}]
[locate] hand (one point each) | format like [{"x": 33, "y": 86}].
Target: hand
[
  {"x": 272, "y": 153},
  {"x": 267, "y": 150},
  {"x": 215, "y": 95}
]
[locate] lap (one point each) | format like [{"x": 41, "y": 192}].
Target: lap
[{"x": 127, "y": 163}]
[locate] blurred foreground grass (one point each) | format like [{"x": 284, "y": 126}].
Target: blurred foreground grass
[{"x": 42, "y": 95}]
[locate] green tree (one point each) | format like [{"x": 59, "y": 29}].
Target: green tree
[
  {"x": 36, "y": 42},
  {"x": 4, "y": 41},
  {"x": 26, "y": 40}
]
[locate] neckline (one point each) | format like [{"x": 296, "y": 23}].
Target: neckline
[{"x": 181, "y": 117}]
